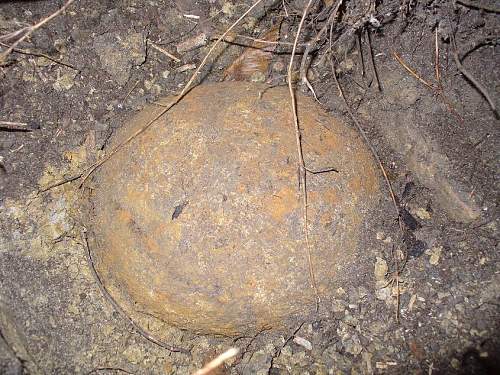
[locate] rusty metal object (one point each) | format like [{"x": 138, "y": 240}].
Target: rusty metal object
[{"x": 199, "y": 220}]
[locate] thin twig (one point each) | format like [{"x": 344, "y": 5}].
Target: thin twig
[
  {"x": 165, "y": 52},
  {"x": 114, "y": 304},
  {"x": 257, "y": 40},
  {"x": 33, "y": 28},
  {"x": 177, "y": 99},
  {"x": 486, "y": 8},
  {"x": 38, "y": 54},
  {"x": 471, "y": 78},
  {"x": 411, "y": 71},
  {"x": 436, "y": 61},
  {"x": 61, "y": 182},
  {"x": 309, "y": 45},
  {"x": 300, "y": 161},
  {"x": 218, "y": 361}
]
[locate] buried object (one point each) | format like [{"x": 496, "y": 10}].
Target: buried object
[{"x": 199, "y": 220}]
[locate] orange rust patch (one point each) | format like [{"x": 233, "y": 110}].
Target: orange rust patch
[{"x": 282, "y": 203}]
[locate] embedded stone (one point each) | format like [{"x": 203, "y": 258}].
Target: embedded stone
[{"x": 199, "y": 220}]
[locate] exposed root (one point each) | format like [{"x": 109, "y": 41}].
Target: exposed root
[
  {"x": 471, "y": 78},
  {"x": 302, "y": 167}
]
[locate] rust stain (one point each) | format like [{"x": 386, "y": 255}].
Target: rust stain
[
  {"x": 259, "y": 268},
  {"x": 282, "y": 203}
]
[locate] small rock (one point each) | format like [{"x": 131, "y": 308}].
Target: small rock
[
  {"x": 186, "y": 67},
  {"x": 422, "y": 213},
  {"x": 381, "y": 269},
  {"x": 352, "y": 345},
  {"x": 435, "y": 254},
  {"x": 65, "y": 82},
  {"x": 118, "y": 53},
  {"x": 302, "y": 342},
  {"x": 192, "y": 43}
]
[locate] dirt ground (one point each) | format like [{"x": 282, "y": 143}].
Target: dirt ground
[{"x": 437, "y": 139}]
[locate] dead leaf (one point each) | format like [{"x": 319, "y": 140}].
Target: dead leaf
[{"x": 255, "y": 60}]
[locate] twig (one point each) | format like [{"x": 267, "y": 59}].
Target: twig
[
  {"x": 471, "y": 78},
  {"x": 436, "y": 61},
  {"x": 184, "y": 91},
  {"x": 130, "y": 91},
  {"x": 486, "y": 8},
  {"x": 218, "y": 361},
  {"x": 412, "y": 72},
  {"x": 61, "y": 182},
  {"x": 309, "y": 45},
  {"x": 96, "y": 370},
  {"x": 165, "y": 52},
  {"x": 368, "y": 143},
  {"x": 257, "y": 40},
  {"x": 29, "y": 30},
  {"x": 115, "y": 305},
  {"x": 38, "y": 54},
  {"x": 360, "y": 52},
  {"x": 300, "y": 161}
]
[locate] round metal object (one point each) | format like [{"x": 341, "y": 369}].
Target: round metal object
[{"x": 199, "y": 220}]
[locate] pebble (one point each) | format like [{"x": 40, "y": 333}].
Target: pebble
[{"x": 302, "y": 342}]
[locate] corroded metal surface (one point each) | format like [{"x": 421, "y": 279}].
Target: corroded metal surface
[{"x": 199, "y": 220}]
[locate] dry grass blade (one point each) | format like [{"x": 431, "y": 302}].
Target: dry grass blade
[
  {"x": 300, "y": 155},
  {"x": 29, "y": 30},
  {"x": 164, "y": 51},
  {"x": 86, "y": 173},
  {"x": 218, "y": 361}
]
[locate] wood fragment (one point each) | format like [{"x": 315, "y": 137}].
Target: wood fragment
[
  {"x": 192, "y": 43},
  {"x": 15, "y": 126},
  {"x": 217, "y": 362}
]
